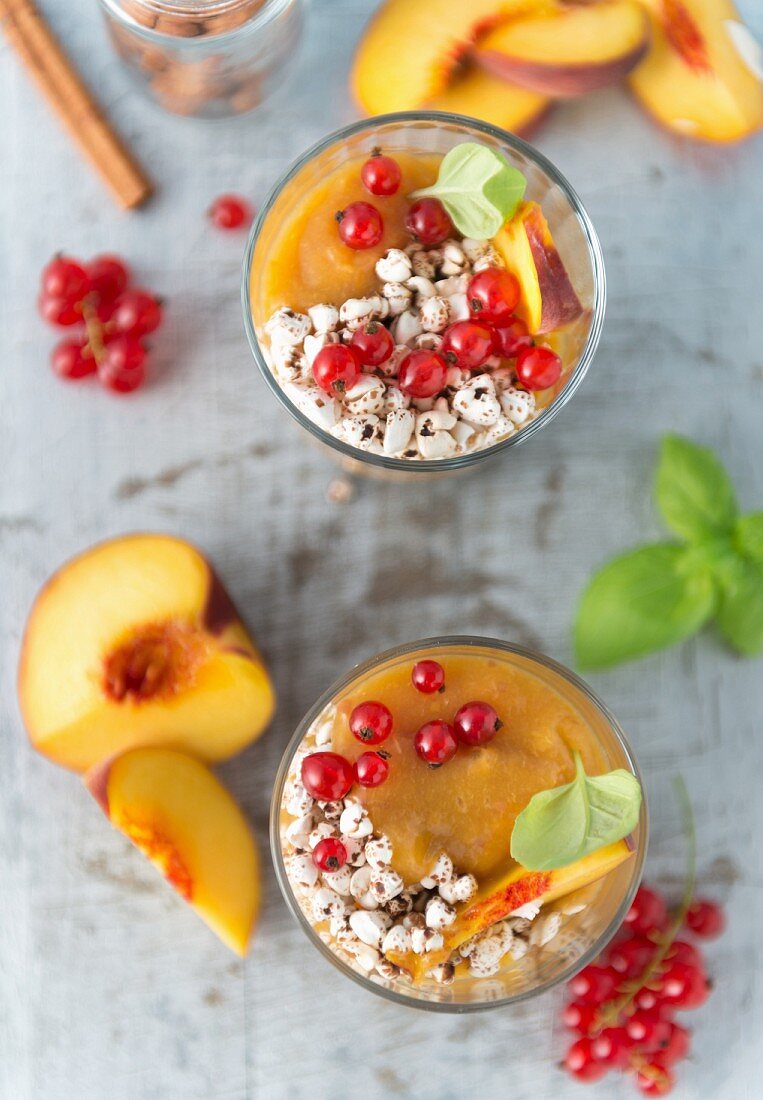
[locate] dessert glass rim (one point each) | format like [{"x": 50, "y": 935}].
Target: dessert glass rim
[
  {"x": 464, "y": 641},
  {"x": 195, "y": 9},
  {"x": 595, "y": 256}
]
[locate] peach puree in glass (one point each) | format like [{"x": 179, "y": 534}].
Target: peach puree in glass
[{"x": 468, "y": 806}]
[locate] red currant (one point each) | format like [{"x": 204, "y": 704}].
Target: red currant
[
  {"x": 428, "y": 221},
  {"x": 360, "y": 225},
  {"x": 493, "y": 295},
  {"x": 371, "y": 769},
  {"x": 684, "y": 986},
  {"x": 648, "y": 1030},
  {"x": 428, "y": 677},
  {"x": 681, "y": 951},
  {"x": 381, "y": 175},
  {"x": 371, "y": 723},
  {"x": 436, "y": 743},
  {"x": 373, "y": 343},
  {"x": 580, "y": 1061},
  {"x": 230, "y": 212},
  {"x": 327, "y": 776},
  {"x": 612, "y": 1047},
  {"x": 59, "y": 311},
  {"x": 630, "y": 957},
  {"x": 594, "y": 985},
  {"x": 422, "y": 373},
  {"x": 510, "y": 338},
  {"x": 677, "y": 1046},
  {"x": 705, "y": 919},
  {"x": 65, "y": 279},
  {"x": 476, "y": 723},
  {"x": 336, "y": 368},
  {"x": 538, "y": 368},
  {"x": 136, "y": 312},
  {"x": 122, "y": 368},
  {"x": 648, "y": 912},
  {"x": 73, "y": 358},
  {"x": 108, "y": 277},
  {"x": 654, "y": 1079},
  {"x": 579, "y": 1016},
  {"x": 329, "y": 854},
  {"x": 467, "y": 344},
  {"x": 648, "y": 1000}
]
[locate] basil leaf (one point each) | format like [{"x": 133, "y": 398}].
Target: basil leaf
[
  {"x": 640, "y": 602},
  {"x": 562, "y": 825},
  {"x": 740, "y": 612},
  {"x": 478, "y": 187},
  {"x": 694, "y": 493},
  {"x": 749, "y": 536}
]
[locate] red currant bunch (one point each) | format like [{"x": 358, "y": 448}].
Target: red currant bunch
[
  {"x": 622, "y": 1007},
  {"x": 109, "y": 320}
]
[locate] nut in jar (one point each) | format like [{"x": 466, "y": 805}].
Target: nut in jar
[{"x": 208, "y": 58}]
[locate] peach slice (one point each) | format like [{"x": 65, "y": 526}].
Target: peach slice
[
  {"x": 701, "y": 77},
  {"x": 477, "y": 94},
  {"x": 570, "y": 51},
  {"x": 179, "y": 814},
  {"x": 548, "y": 298},
  {"x": 518, "y": 887},
  {"x": 410, "y": 50},
  {"x": 136, "y": 642}
]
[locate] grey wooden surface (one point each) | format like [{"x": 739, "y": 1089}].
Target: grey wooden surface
[{"x": 110, "y": 987}]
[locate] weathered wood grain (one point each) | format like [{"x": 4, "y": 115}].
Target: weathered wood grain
[{"x": 110, "y": 987}]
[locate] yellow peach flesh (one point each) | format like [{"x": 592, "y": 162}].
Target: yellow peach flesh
[
  {"x": 694, "y": 79},
  {"x": 129, "y": 596},
  {"x": 181, "y": 817}
]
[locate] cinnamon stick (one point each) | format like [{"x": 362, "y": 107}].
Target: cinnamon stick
[{"x": 34, "y": 42}]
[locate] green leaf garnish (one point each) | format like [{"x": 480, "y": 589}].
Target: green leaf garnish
[
  {"x": 694, "y": 492},
  {"x": 478, "y": 187},
  {"x": 661, "y": 594},
  {"x": 740, "y": 610},
  {"x": 562, "y": 825},
  {"x": 748, "y": 536},
  {"x": 640, "y": 602}
]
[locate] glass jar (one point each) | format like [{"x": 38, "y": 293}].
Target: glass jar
[
  {"x": 209, "y": 58},
  {"x": 583, "y": 934},
  {"x": 434, "y": 132}
]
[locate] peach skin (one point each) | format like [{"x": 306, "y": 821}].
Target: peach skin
[
  {"x": 569, "y": 51},
  {"x": 136, "y": 642},
  {"x": 548, "y": 299},
  {"x": 182, "y": 818},
  {"x": 702, "y": 75}
]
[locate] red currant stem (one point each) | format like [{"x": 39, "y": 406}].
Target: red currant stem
[
  {"x": 610, "y": 1011},
  {"x": 94, "y": 328},
  {"x": 640, "y": 1063}
]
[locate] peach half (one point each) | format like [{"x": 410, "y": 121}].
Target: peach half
[
  {"x": 702, "y": 75},
  {"x": 178, "y": 813},
  {"x": 516, "y": 889},
  {"x": 411, "y": 48},
  {"x": 570, "y": 51},
  {"x": 136, "y": 642},
  {"x": 548, "y": 299}
]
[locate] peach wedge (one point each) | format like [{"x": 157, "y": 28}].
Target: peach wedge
[
  {"x": 136, "y": 642},
  {"x": 175, "y": 810},
  {"x": 410, "y": 49},
  {"x": 548, "y": 299},
  {"x": 478, "y": 94},
  {"x": 702, "y": 76},
  {"x": 518, "y": 887},
  {"x": 570, "y": 51}
]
